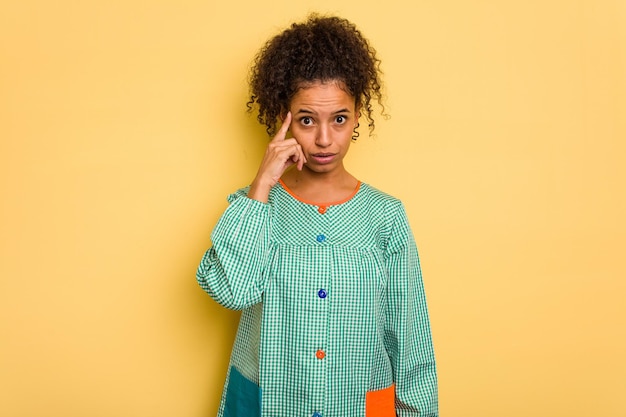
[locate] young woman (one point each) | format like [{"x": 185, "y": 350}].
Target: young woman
[{"x": 324, "y": 267}]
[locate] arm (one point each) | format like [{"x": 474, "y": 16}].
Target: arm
[
  {"x": 407, "y": 331},
  {"x": 232, "y": 270}
]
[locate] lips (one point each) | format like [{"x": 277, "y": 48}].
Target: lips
[{"x": 323, "y": 158}]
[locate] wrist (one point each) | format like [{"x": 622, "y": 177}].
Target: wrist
[{"x": 260, "y": 190}]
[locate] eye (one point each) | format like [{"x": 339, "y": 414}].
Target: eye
[
  {"x": 306, "y": 121},
  {"x": 340, "y": 119}
]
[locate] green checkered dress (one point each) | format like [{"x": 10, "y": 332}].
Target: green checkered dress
[{"x": 334, "y": 311}]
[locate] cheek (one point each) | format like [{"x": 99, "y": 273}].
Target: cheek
[
  {"x": 345, "y": 131},
  {"x": 302, "y": 135}
]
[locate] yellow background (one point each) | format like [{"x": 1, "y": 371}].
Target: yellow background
[{"x": 123, "y": 128}]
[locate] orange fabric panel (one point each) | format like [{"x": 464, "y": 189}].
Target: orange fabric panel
[{"x": 381, "y": 403}]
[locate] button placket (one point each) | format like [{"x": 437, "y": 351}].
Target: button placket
[
  {"x": 318, "y": 342},
  {"x": 319, "y": 293}
]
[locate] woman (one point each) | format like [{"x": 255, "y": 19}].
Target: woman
[{"x": 324, "y": 267}]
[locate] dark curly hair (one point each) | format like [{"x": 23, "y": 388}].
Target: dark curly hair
[{"x": 319, "y": 49}]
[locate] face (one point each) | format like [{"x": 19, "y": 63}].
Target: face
[{"x": 323, "y": 119}]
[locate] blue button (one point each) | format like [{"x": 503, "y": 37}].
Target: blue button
[
  {"x": 316, "y": 414},
  {"x": 322, "y": 293},
  {"x": 321, "y": 238}
]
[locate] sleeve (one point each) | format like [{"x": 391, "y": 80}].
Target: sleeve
[
  {"x": 232, "y": 271},
  {"x": 407, "y": 330}
]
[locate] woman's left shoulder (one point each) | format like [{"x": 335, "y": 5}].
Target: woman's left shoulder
[{"x": 377, "y": 197}]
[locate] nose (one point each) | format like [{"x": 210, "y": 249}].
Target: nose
[{"x": 323, "y": 138}]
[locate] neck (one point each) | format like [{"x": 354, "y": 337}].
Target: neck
[
  {"x": 335, "y": 178},
  {"x": 320, "y": 187}
]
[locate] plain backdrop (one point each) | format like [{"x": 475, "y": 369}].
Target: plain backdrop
[{"x": 123, "y": 128}]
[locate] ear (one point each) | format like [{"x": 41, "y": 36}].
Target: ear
[{"x": 357, "y": 114}]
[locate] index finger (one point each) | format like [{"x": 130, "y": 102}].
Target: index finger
[{"x": 282, "y": 132}]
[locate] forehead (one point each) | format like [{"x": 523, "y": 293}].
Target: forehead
[{"x": 323, "y": 94}]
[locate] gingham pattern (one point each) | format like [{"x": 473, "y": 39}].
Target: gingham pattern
[{"x": 270, "y": 260}]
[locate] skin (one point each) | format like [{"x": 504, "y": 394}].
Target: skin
[{"x": 321, "y": 118}]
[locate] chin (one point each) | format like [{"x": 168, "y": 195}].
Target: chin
[{"x": 321, "y": 169}]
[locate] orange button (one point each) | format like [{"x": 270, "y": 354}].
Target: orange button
[
  {"x": 320, "y": 354},
  {"x": 322, "y": 209}
]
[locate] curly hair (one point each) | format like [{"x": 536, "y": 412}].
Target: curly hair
[{"x": 319, "y": 49}]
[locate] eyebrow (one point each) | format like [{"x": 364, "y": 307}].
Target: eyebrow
[{"x": 305, "y": 111}]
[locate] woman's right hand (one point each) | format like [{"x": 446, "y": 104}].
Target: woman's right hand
[{"x": 281, "y": 153}]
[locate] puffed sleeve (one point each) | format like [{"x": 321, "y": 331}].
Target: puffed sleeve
[
  {"x": 232, "y": 270},
  {"x": 407, "y": 330}
]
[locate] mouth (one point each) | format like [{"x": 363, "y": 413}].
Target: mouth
[{"x": 323, "y": 158}]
